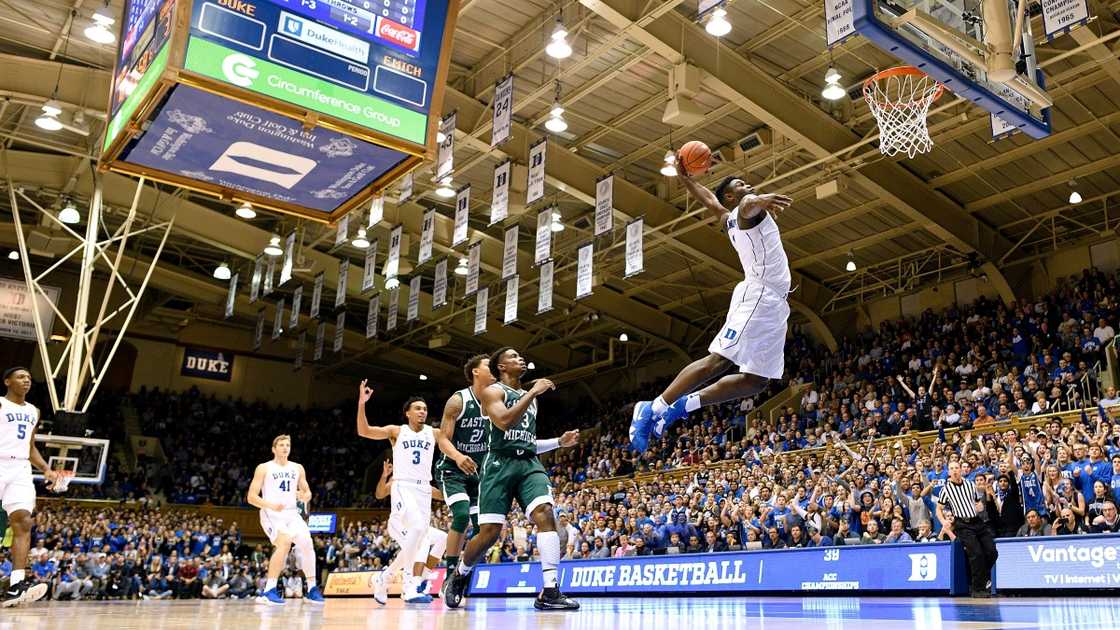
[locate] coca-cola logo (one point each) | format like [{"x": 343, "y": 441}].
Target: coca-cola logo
[{"x": 397, "y": 33}]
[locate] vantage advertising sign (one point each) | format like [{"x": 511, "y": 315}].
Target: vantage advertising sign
[
  {"x": 202, "y": 136},
  {"x": 1058, "y": 562},
  {"x": 906, "y": 567}
]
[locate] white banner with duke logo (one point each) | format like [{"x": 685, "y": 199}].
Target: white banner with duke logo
[
  {"x": 413, "y": 312},
  {"x": 481, "y": 298},
  {"x": 499, "y": 203},
  {"x": 439, "y": 288},
  {"x": 297, "y": 303},
  {"x": 535, "y": 188},
  {"x": 462, "y": 215},
  {"x": 427, "y": 236},
  {"x": 317, "y": 294}
]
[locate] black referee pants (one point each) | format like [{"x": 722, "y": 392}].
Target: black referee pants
[{"x": 979, "y": 548}]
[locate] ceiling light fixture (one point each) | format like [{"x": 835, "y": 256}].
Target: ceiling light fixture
[
  {"x": 531, "y": 366},
  {"x": 444, "y": 188},
  {"x": 556, "y": 122},
  {"x": 222, "y": 272},
  {"x": 851, "y": 266},
  {"x": 360, "y": 240},
  {"x": 48, "y": 119},
  {"x": 1074, "y": 197},
  {"x": 423, "y": 377},
  {"x": 624, "y": 337},
  {"x": 717, "y": 24},
  {"x": 13, "y": 255},
  {"x": 69, "y": 214},
  {"x": 392, "y": 283},
  {"x": 461, "y": 269},
  {"x": 832, "y": 88},
  {"x": 557, "y": 222},
  {"x": 245, "y": 211},
  {"x": 273, "y": 247},
  {"x": 669, "y": 168},
  {"x": 99, "y": 31},
  {"x": 559, "y": 48}
]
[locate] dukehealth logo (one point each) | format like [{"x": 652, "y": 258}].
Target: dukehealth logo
[
  {"x": 240, "y": 69},
  {"x": 923, "y": 567}
]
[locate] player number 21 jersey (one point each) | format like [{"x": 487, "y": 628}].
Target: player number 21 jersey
[{"x": 19, "y": 423}]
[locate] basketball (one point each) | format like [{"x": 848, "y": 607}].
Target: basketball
[{"x": 695, "y": 157}]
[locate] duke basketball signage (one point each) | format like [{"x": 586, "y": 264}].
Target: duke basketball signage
[{"x": 212, "y": 364}]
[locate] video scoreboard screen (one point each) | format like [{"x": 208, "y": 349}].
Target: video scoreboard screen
[{"x": 372, "y": 63}]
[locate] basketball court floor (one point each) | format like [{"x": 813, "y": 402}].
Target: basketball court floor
[{"x": 762, "y": 613}]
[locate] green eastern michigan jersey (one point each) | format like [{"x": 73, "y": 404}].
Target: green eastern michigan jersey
[
  {"x": 471, "y": 429},
  {"x": 521, "y": 438}
]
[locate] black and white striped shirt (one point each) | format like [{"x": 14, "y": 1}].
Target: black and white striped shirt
[{"x": 961, "y": 498}]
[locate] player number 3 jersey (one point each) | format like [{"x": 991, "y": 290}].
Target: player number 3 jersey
[
  {"x": 19, "y": 423},
  {"x": 413, "y": 453},
  {"x": 520, "y": 439}
]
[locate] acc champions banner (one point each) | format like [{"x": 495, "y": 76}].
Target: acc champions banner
[
  {"x": 1058, "y": 562},
  {"x": 206, "y": 137},
  {"x": 210, "y": 364},
  {"x": 906, "y": 567}
]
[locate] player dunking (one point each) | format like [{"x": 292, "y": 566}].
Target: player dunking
[
  {"x": 414, "y": 446},
  {"x": 17, "y": 490},
  {"x": 277, "y": 487},
  {"x": 753, "y": 337},
  {"x": 512, "y": 471},
  {"x": 434, "y": 543},
  {"x": 469, "y": 429}
]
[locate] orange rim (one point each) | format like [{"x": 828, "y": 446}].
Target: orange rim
[{"x": 896, "y": 72}]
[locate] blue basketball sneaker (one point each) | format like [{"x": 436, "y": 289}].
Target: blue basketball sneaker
[
  {"x": 315, "y": 596},
  {"x": 640, "y": 425},
  {"x": 675, "y": 412},
  {"x": 272, "y": 597}
]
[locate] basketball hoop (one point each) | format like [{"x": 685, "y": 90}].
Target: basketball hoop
[
  {"x": 900, "y": 99},
  {"x": 62, "y": 482}
]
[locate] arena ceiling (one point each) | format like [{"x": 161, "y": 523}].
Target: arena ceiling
[{"x": 969, "y": 206}]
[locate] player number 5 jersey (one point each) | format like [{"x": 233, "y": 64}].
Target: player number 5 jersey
[{"x": 19, "y": 423}]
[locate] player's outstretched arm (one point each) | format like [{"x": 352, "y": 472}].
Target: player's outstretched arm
[
  {"x": 366, "y": 431},
  {"x": 493, "y": 403},
  {"x": 465, "y": 463},
  {"x": 569, "y": 439},
  {"x": 752, "y": 205},
  {"x": 706, "y": 197}
]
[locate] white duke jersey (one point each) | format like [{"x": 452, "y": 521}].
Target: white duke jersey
[
  {"x": 412, "y": 454},
  {"x": 19, "y": 423},
  {"x": 760, "y": 252},
  {"x": 280, "y": 484}
]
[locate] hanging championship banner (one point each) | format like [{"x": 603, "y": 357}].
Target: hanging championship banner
[
  {"x": 439, "y": 288},
  {"x": 480, "y": 310},
  {"x": 320, "y": 332},
  {"x": 839, "y": 21},
  {"x": 316, "y": 295},
  {"x": 371, "y": 316},
  {"x": 445, "y": 157},
  {"x": 604, "y": 205},
  {"x": 278, "y": 320},
  {"x": 584, "y": 271},
  {"x": 297, "y": 302},
  {"x": 289, "y": 258},
  {"x": 394, "y": 306},
  {"x": 231, "y": 297},
  {"x": 269, "y": 274},
  {"x": 343, "y": 276},
  {"x": 544, "y": 294},
  {"x": 462, "y": 215},
  {"x": 543, "y": 249},
  {"x": 499, "y": 203},
  {"x": 474, "y": 260},
  {"x": 535, "y": 187},
  {"x": 427, "y": 236},
  {"x": 255, "y": 281},
  {"x": 342, "y": 232},
  {"x": 394, "y": 262},
  {"x": 1061, "y": 16},
  {"x": 413, "y": 312},
  {"x": 376, "y": 211},
  {"x": 369, "y": 272},
  {"x": 406, "y": 189},
  {"x": 512, "y": 287},
  {"x": 503, "y": 111},
  {"x": 339, "y": 330},
  {"x": 634, "y": 259},
  {"x": 298, "y": 363},
  {"x": 509, "y": 252},
  {"x": 259, "y": 332}
]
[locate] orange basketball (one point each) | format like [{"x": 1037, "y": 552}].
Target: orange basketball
[{"x": 695, "y": 157}]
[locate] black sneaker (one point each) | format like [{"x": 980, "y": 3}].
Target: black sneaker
[
  {"x": 553, "y": 599},
  {"x": 23, "y": 593},
  {"x": 454, "y": 588}
]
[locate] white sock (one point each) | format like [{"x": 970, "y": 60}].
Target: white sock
[
  {"x": 549, "y": 545},
  {"x": 17, "y": 576},
  {"x": 464, "y": 568},
  {"x": 692, "y": 403},
  {"x": 269, "y": 584},
  {"x": 659, "y": 406},
  {"x": 306, "y": 556}
]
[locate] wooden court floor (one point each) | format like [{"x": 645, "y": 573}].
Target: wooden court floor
[{"x": 762, "y": 613}]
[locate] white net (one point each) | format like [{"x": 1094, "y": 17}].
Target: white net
[{"x": 900, "y": 99}]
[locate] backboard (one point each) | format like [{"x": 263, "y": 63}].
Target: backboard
[
  {"x": 946, "y": 40},
  {"x": 85, "y": 457}
]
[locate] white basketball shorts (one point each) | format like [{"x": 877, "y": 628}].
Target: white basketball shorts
[
  {"x": 411, "y": 508},
  {"x": 17, "y": 489},
  {"x": 287, "y": 522},
  {"x": 754, "y": 335}
]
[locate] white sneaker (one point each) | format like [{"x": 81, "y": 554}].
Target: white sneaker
[{"x": 380, "y": 593}]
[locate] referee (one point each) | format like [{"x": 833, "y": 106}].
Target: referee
[{"x": 967, "y": 505}]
